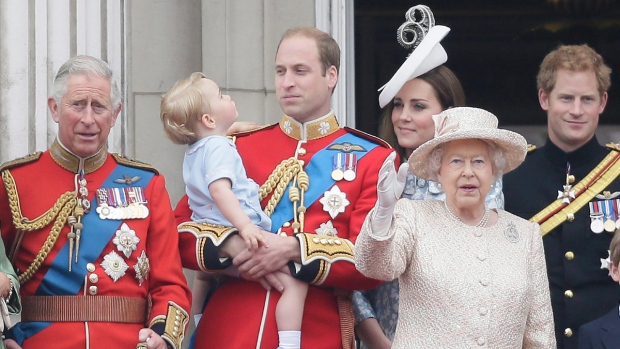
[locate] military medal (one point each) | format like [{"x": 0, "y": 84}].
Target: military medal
[
  {"x": 326, "y": 229},
  {"x": 337, "y": 166},
  {"x": 126, "y": 240},
  {"x": 142, "y": 268},
  {"x": 121, "y": 203},
  {"x": 610, "y": 216},
  {"x": 114, "y": 265},
  {"x": 597, "y": 226},
  {"x": 350, "y": 167},
  {"x": 596, "y": 216},
  {"x": 610, "y": 226},
  {"x": 566, "y": 194},
  {"x": 605, "y": 262},
  {"x": 334, "y": 201}
]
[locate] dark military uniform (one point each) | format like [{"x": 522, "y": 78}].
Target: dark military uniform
[{"x": 580, "y": 290}]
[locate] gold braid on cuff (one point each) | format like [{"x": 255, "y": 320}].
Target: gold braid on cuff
[
  {"x": 176, "y": 321},
  {"x": 325, "y": 250}
]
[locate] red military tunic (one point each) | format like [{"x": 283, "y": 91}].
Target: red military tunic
[
  {"x": 132, "y": 255},
  {"x": 335, "y": 209}
]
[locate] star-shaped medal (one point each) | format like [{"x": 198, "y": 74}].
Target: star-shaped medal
[
  {"x": 567, "y": 195},
  {"x": 334, "y": 201},
  {"x": 114, "y": 265},
  {"x": 142, "y": 268},
  {"x": 605, "y": 262},
  {"x": 126, "y": 240},
  {"x": 326, "y": 229}
]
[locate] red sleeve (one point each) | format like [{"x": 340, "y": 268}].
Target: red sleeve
[
  {"x": 341, "y": 272},
  {"x": 167, "y": 282}
]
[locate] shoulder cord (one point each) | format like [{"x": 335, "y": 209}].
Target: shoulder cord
[
  {"x": 288, "y": 170},
  {"x": 60, "y": 212}
]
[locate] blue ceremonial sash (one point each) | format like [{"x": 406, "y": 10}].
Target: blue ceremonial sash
[
  {"x": 96, "y": 235},
  {"x": 319, "y": 182}
]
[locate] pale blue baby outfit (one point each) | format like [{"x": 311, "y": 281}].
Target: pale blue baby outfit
[{"x": 212, "y": 158}]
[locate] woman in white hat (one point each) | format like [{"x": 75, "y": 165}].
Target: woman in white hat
[
  {"x": 469, "y": 275},
  {"x": 410, "y": 99}
]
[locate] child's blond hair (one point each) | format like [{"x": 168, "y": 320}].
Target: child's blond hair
[{"x": 181, "y": 107}]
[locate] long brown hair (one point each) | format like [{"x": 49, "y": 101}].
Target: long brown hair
[{"x": 448, "y": 90}]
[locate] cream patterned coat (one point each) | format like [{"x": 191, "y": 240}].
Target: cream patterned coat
[{"x": 461, "y": 286}]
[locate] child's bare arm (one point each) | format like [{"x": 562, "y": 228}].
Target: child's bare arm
[{"x": 229, "y": 205}]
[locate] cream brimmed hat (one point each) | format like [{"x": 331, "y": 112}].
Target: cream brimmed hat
[
  {"x": 427, "y": 51},
  {"x": 468, "y": 123}
]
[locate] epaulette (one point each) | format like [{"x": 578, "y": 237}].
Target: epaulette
[
  {"x": 123, "y": 160},
  {"x": 613, "y": 146},
  {"x": 234, "y": 136},
  {"x": 531, "y": 148},
  {"x": 369, "y": 137},
  {"x": 21, "y": 161}
]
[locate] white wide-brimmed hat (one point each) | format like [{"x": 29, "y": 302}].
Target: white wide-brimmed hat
[
  {"x": 468, "y": 123},
  {"x": 427, "y": 51}
]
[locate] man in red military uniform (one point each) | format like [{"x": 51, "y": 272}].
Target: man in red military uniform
[
  {"x": 92, "y": 234},
  {"x": 318, "y": 182}
]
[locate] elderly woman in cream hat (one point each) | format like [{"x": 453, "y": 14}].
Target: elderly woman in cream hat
[{"x": 469, "y": 276}]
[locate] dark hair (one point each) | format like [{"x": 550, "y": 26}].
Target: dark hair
[{"x": 448, "y": 90}]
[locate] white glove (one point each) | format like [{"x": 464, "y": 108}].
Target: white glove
[{"x": 389, "y": 189}]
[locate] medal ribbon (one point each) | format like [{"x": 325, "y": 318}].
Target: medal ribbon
[
  {"x": 96, "y": 234},
  {"x": 595, "y": 182},
  {"x": 319, "y": 182},
  {"x": 609, "y": 210}
]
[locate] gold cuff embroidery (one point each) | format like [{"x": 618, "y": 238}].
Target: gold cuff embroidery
[
  {"x": 216, "y": 233},
  {"x": 204, "y": 232},
  {"x": 176, "y": 321},
  {"x": 327, "y": 248}
]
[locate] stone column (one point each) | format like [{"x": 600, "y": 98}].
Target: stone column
[{"x": 36, "y": 37}]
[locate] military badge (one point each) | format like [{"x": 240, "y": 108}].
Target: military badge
[
  {"x": 346, "y": 147},
  {"x": 126, "y": 240},
  {"x": 122, "y": 203},
  {"x": 326, "y": 229},
  {"x": 114, "y": 265},
  {"x": 596, "y": 217},
  {"x": 334, "y": 201},
  {"x": 338, "y": 167},
  {"x": 567, "y": 194},
  {"x": 609, "y": 214},
  {"x": 605, "y": 262},
  {"x": 350, "y": 171},
  {"x": 127, "y": 179},
  {"x": 142, "y": 268}
]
